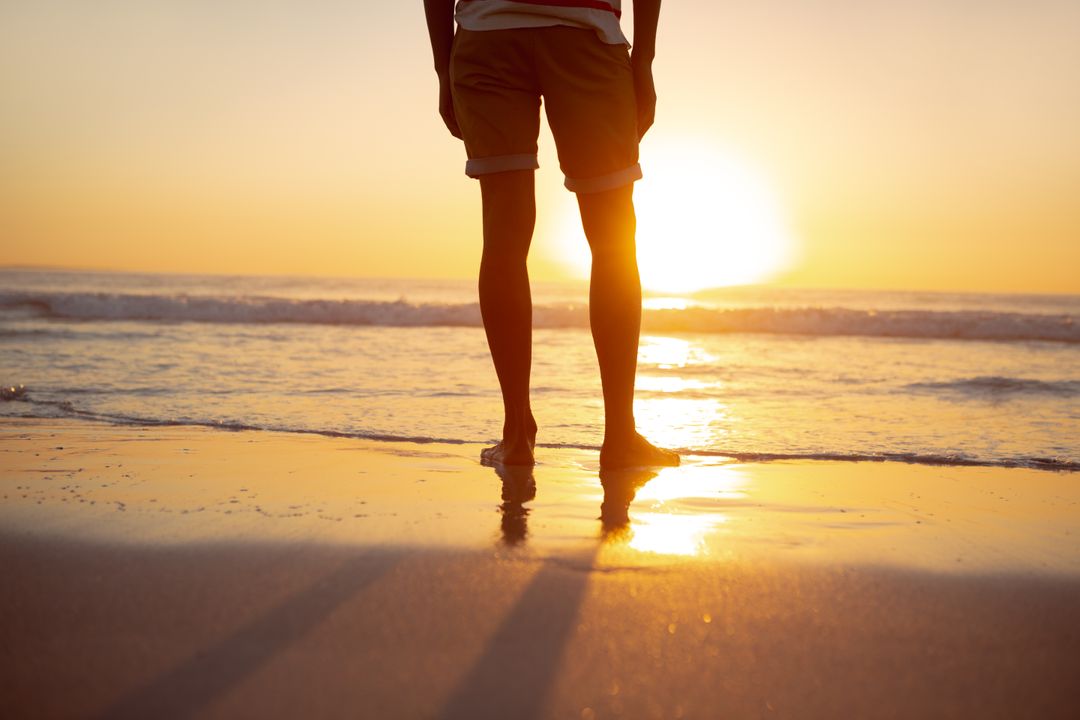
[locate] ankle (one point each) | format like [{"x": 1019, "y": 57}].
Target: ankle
[
  {"x": 519, "y": 424},
  {"x": 620, "y": 434}
]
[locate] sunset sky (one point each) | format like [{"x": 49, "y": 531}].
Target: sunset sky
[{"x": 925, "y": 145}]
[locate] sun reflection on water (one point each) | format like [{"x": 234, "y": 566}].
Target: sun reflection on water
[
  {"x": 665, "y": 302},
  {"x": 672, "y": 352},
  {"x": 663, "y": 415},
  {"x": 669, "y": 384},
  {"x": 676, "y": 422}
]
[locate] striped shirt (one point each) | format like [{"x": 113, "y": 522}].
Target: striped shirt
[{"x": 599, "y": 15}]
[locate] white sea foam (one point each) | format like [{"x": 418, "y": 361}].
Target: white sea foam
[
  {"x": 814, "y": 321},
  {"x": 55, "y": 409}
]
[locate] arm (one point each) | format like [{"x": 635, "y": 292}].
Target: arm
[
  {"x": 440, "y": 24},
  {"x": 646, "y": 17}
]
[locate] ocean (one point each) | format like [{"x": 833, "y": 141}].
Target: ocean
[{"x": 751, "y": 373}]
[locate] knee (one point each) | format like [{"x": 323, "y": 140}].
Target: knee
[
  {"x": 619, "y": 258},
  {"x": 508, "y": 232},
  {"x": 509, "y": 215},
  {"x": 608, "y": 221},
  {"x": 507, "y": 244}
]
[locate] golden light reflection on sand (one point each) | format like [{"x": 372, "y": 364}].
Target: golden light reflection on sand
[
  {"x": 176, "y": 486},
  {"x": 679, "y": 509},
  {"x": 672, "y": 534},
  {"x": 694, "y": 482}
]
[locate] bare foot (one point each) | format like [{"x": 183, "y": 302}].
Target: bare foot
[
  {"x": 636, "y": 451},
  {"x": 516, "y": 447},
  {"x": 503, "y": 454}
]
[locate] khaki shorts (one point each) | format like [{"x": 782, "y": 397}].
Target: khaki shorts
[{"x": 588, "y": 89}]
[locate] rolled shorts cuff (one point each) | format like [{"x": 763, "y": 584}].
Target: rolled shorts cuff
[
  {"x": 475, "y": 167},
  {"x": 602, "y": 183}
]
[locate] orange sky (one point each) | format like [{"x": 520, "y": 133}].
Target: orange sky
[{"x": 931, "y": 145}]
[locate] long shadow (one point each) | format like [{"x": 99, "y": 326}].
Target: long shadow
[
  {"x": 202, "y": 678},
  {"x": 515, "y": 675}
]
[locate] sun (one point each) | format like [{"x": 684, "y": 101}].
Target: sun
[{"x": 706, "y": 219}]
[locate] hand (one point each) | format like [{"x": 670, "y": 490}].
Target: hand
[
  {"x": 446, "y": 106},
  {"x": 645, "y": 92}
]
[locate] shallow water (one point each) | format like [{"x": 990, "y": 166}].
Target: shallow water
[{"x": 751, "y": 372}]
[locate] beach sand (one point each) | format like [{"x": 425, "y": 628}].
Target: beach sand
[{"x": 172, "y": 571}]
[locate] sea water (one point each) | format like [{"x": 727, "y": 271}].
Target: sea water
[{"x": 751, "y": 373}]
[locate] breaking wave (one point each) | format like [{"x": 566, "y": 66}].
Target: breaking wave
[
  {"x": 994, "y": 386},
  {"x": 813, "y": 321}
]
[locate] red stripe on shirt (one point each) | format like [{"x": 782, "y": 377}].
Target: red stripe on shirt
[{"x": 591, "y": 4}]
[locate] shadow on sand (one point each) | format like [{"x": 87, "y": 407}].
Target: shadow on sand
[
  {"x": 516, "y": 673},
  {"x": 513, "y": 677},
  {"x": 208, "y": 675}
]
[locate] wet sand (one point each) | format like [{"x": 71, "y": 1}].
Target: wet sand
[{"x": 177, "y": 572}]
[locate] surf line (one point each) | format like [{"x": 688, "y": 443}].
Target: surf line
[{"x": 733, "y": 456}]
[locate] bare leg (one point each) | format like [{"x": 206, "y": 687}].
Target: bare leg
[
  {"x": 615, "y": 317},
  {"x": 506, "y": 306}
]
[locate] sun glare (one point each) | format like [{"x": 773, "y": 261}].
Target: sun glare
[
  {"x": 705, "y": 219},
  {"x": 681, "y": 508}
]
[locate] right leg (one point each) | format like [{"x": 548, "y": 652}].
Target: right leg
[
  {"x": 588, "y": 89},
  {"x": 506, "y": 306},
  {"x": 615, "y": 318}
]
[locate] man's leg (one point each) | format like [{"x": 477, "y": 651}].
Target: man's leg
[
  {"x": 506, "y": 306},
  {"x": 615, "y": 317}
]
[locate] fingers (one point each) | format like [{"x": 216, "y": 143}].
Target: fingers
[
  {"x": 645, "y": 92},
  {"x": 446, "y": 109},
  {"x": 451, "y": 123},
  {"x": 646, "y": 115},
  {"x": 645, "y": 121}
]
